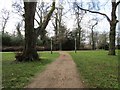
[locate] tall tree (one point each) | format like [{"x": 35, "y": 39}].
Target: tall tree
[
  {"x": 31, "y": 34},
  {"x": 59, "y": 27},
  {"x": 30, "y": 52},
  {"x": 18, "y": 28},
  {"x": 112, "y": 22},
  {"x": 79, "y": 16},
  {"x": 60, "y": 12},
  {"x": 93, "y": 33},
  {"x": 5, "y": 18},
  {"x": 55, "y": 25}
]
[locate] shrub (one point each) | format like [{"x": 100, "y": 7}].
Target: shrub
[
  {"x": 11, "y": 40},
  {"x": 6, "y": 39},
  {"x": 16, "y": 41}
]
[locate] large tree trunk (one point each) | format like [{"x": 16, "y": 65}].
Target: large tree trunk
[
  {"x": 112, "y": 39},
  {"x": 112, "y": 33},
  {"x": 30, "y": 52}
]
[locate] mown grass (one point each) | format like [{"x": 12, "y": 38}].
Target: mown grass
[
  {"x": 97, "y": 69},
  {"x": 17, "y": 75}
]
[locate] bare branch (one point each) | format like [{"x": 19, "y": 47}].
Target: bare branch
[
  {"x": 117, "y": 3},
  {"x": 18, "y": 9},
  {"x": 66, "y": 12},
  {"x": 5, "y": 18},
  {"x": 38, "y": 14},
  {"x": 56, "y": 18},
  {"x": 95, "y": 12},
  {"x": 53, "y": 25},
  {"x": 95, "y": 24},
  {"x": 46, "y": 20},
  {"x": 37, "y": 21}
]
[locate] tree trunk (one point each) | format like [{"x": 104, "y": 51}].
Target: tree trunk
[
  {"x": 92, "y": 35},
  {"x": 56, "y": 31},
  {"x": 79, "y": 29},
  {"x": 112, "y": 39},
  {"x": 79, "y": 37},
  {"x": 93, "y": 41},
  {"x": 112, "y": 34},
  {"x": 30, "y": 52}
]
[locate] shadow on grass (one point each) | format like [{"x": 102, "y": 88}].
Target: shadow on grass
[{"x": 43, "y": 61}]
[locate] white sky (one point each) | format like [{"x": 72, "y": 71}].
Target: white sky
[{"x": 69, "y": 21}]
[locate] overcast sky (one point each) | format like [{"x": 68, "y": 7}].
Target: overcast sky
[{"x": 103, "y": 25}]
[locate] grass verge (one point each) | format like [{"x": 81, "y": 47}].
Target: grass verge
[
  {"x": 17, "y": 75},
  {"x": 97, "y": 69}
]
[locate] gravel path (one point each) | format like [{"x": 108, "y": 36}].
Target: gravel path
[{"x": 62, "y": 73}]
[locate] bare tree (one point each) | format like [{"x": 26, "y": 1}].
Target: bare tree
[
  {"x": 55, "y": 25},
  {"x": 112, "y": 22},
  {"x": 93, "y": 33},
  {"x": 58, "y": 26},
  {"x": 40, "y": 13},
  {"x": 60, "y": 12},
  {"x": 79, "y": 16},
  {"x": 18, "y": 28},
  {"x": 31, "y": 34},
  {"x": 5, "y": 18}
]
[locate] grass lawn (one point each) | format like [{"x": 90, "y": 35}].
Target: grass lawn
[
  {"x": 17, "y": 75},
  {"x": 97, "y": 69}
]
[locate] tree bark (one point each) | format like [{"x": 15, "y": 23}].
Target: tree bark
[
  {"x": 112, "y": 33},
  {"x": 30, "y": 52}
]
